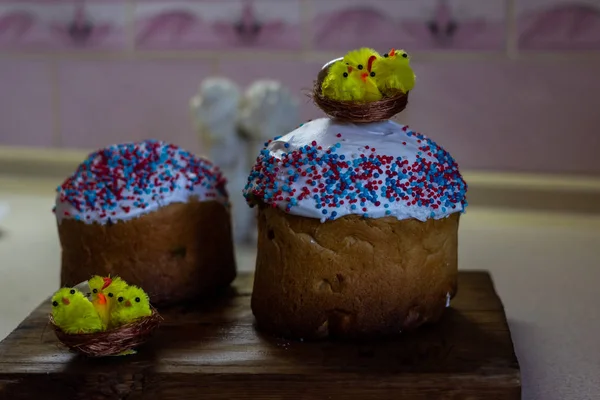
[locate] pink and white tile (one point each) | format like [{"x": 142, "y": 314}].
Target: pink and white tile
[
  {"x": 106, "y": 102},
  {"x": 525, "y": 120},
  {"x": 41, "y": 25},
  {"x": 558, "y": 25},
  {"x": 262, "y": 24},
  {"x": 422, "y": 25},
  {"x": 26, "y": 103}
]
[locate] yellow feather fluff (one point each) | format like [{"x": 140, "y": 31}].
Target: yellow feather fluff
[
  {"x": 360, "y": 58},
  {"x": 395, "y": 73},
  {"x": 103, "y": 296},
  {"x": 346, "y": 83},
  {"x": 74, "y": 313},
  {"x": 131, "y": 303}
]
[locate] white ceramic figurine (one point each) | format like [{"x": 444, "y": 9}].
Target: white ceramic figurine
[
  {"x": 268, "y": 109},
  {"x": 234, "y": 127},
  {"x": 214, "y": 112}
]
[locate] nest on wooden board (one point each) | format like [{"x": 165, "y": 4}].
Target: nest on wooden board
[
  {"x": 356, "y": 112},
  {"x": 113, "y": 341}
]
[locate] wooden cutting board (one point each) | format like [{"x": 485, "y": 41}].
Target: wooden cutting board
[{"x": 213, "y": 351}]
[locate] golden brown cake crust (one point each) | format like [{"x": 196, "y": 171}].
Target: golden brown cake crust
[
  {"x": 352, "y": 276},
  {"x": 179, "y": 252}
]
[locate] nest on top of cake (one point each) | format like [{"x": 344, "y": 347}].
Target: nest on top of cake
[{"x": 364, "y": 87}]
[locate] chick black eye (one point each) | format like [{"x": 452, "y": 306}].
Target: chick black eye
[
  {"x": 55, "y": 303},
  {"x": 120, "y": 299},
  {"x": 360, "y": 66},
  {"x": 137, "y": 300},
  {"x": 404, "y": 55},
  {"x": 110, "y": 295},
  {"x": 72, "y": 291},
  {"x": 372, "y": 74},
  {"x": 95, "y": 290},
  {"x": 345, "y": 74},
  {"x": 386, "y": 55}
]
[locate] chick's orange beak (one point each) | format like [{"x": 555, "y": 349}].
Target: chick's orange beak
[
  {"x": 127, "y": 303},
  {"x": 364, "y": 76},
  {"x": 65, "y": 301},
  {"x": 101, "y": 298}
]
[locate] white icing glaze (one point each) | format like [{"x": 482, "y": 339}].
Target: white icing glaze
[
  {"x": 125, "y": 181},
  {"x": 358, "y": 146}
]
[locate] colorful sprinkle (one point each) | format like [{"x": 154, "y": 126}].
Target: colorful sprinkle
[
  {"x": 132, "y": 177},
  {"x": 316, "y": 174}
]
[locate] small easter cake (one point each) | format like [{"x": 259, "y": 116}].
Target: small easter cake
[
  {"x": 357, "y": 229},
  {"x": 151, "y": 213}
]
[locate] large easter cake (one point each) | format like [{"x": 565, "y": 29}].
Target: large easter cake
[{"x": 358, "y": 223}]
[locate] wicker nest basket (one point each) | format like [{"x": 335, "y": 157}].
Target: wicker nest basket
[
  {"x": 375, "y": 111},
  {"x": 111, "y": 342}
]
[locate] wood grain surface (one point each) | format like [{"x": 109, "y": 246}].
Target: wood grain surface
[{"x": 212, "y": 351}]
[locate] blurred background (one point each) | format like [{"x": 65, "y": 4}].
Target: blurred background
[
  {"x": 505, "y": 85},
  {"x": 509, "y": 87}
]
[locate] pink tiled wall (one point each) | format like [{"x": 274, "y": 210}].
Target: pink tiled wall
[
  {"x": 503, "y": 84},
  {"x": 110, "y": 101}
]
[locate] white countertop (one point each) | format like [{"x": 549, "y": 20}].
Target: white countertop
[{"x": 546, "y": 268}]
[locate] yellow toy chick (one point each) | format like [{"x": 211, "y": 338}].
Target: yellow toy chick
[
  {"x": 132, "y": 303},
  {"x": 394, "y": 73},
  {"x": 360, "y": 58},
  {"x": 95, "y": 283},
  {"x": 364, "y": 59},
  {"x": 102, "y": 297},
  {"x": 117, "y": 285},
  {"x": 346, "y": 83},
  {"x": 74, "y": 313}
]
